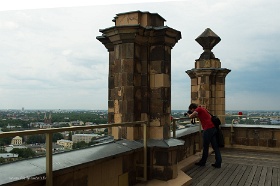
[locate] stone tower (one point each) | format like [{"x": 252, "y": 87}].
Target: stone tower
[
  {"x": 208, "y": 78},
  {"x": 139, "y": 48}
]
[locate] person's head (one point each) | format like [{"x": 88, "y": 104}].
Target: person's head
[{"x": 192, "y": 107}]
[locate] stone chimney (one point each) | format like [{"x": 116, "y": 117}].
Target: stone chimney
[
  {"x": 139, "y": 48},
  {"x": 208, "y": 78}
]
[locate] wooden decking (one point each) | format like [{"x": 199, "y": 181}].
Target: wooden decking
[{"x": 239, "y": 167}]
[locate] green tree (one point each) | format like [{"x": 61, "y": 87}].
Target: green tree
[
  {"x": 23, "y": 153},
  {"x": 70, "y": 136},
  {"x": 5, "y": 141},
  {"x": 57, "y": 136},
  {"x": 38, "y": 138},
  {"x": 79, "y": 145}
]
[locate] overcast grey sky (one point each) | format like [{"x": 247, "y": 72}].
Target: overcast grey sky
[{"x": 50, "y": 57}]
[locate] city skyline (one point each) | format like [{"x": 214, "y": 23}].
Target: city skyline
[{"x": 50, "y": 57}]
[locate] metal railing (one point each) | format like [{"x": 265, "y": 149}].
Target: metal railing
[
  {"x": 49, "y": 133},
  {"x": 174, "y": 124}
]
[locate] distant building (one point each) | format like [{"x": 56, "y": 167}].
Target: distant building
[
  {"x": 8, "y": 156},
  {"x": 76, "y": 123},
  {"x": 16, "y": 140},
  {"x": 67, "y": 144},
  {"x": 48, "y": 120},
  {"x": 11, "y": 147},
  {"x": 83, "y": 137}
]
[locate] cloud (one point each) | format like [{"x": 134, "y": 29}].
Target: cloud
[{"x": 50, "y": 57}]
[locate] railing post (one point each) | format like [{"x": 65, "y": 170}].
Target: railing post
[
  {"x": 174, "y": 127},
  {"x": 231, "y": 132},
  {"x": 49, "y": 179},
  {"x": 145, "y": 150}
]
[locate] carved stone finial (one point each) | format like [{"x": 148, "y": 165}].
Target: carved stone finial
[{"x": 208, "y": 39}]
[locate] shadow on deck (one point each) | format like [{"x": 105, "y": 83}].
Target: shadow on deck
[{"x": 239, "y": 167}]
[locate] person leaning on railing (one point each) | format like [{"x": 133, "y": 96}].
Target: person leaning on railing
[{"x": 209, "y": 134}]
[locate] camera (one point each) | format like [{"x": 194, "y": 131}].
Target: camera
[{"x": 189, "y": 112}]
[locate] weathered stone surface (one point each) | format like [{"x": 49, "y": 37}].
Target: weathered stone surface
[
  {"x": 140, "y": 76},
  {"x": 208, "y": 78}
]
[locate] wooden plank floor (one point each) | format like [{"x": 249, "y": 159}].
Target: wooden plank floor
[{"x": 239, "y": 167}]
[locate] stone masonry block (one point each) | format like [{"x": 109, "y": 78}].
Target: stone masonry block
[
  {"x": 156, "y": 105},
  {"x": 220, "y": 80},
  {"x": 272, "y": 142},
  {"x": 205, "y": 87},
  {"x": 133, "y": 133},
  {"x": 128, "y": 92},
  {"x": 159, "y": 80},
  {"x": 130, "y": 106},
  {"x": 168, "y": 53},
  {"x": 144, "y": 80},
  {"x": 117, "y": 79},
  {"x": 111, "y": 82},
  {"x": 144, "y": 105},
  {"x": 157, "y": 67},
  {"x": 115, "y": 132},
  {"x": 156, "y": 132},
  {"x": 111, "y": 58},
  {"x": 220, "y": 94},
  {"x": 194, "y": 81},
  {"x": 157, "y": 53},
  {"x": 144, "y": 117},
  {"x": 215, "y": 63},
  {"x": 137, "y": 17},
  {"x": 127, "y": 50},
  {"x": 194, "y": 95},
  {"x": 219, "y": 87},
  {"x": 127, "y": 65},
  {"x": 137, "y": 54},
  {"x": 157, "y": 93},
  {"x": 144, "y": 67},
  {"x": 116, "y": 106},
  {"x": 136, "y": 79},
  {"x": 137, "y": 93},
  {"x": 265, "y": 134},
  {"x": 155, "y": 122},
  {"x": 194, "y": 88},
  {"x": 167, "y": 67},
  {"x": 263, "y": 142},
  {"x": 163, "y": 93},
  {"x": 116, "y": 67},
  {"x": 111, "y": 117},
  {"x": 111, "y": 94},
  {"x": 220, "y": 101},
  {"x": 117, "y": 52},
  {"x": 111, "y": 105},
  {"x": 220, "y": 107},
  {"x": 202, "y": 94},
  {"x": 242, "y": 133}
]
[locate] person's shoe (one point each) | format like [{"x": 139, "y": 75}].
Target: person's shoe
[
  {"x": 216, "y": 166},
  {"x": 200, "y": 164}
]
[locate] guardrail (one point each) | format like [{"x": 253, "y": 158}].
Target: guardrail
[
  {"x": 50, "y": 131},
  {"x": 233, "y": 120},
  {"x": 174, "y": 124}
]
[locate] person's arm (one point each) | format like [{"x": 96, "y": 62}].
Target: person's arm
[{"x": 193, "y": 115}]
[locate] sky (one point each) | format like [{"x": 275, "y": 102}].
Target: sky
[{"x": 50, "y": 57}]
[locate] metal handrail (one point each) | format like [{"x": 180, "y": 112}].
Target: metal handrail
[
  {"x": 174, "y": 120},
  {"x": 48, "y": 132}
]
